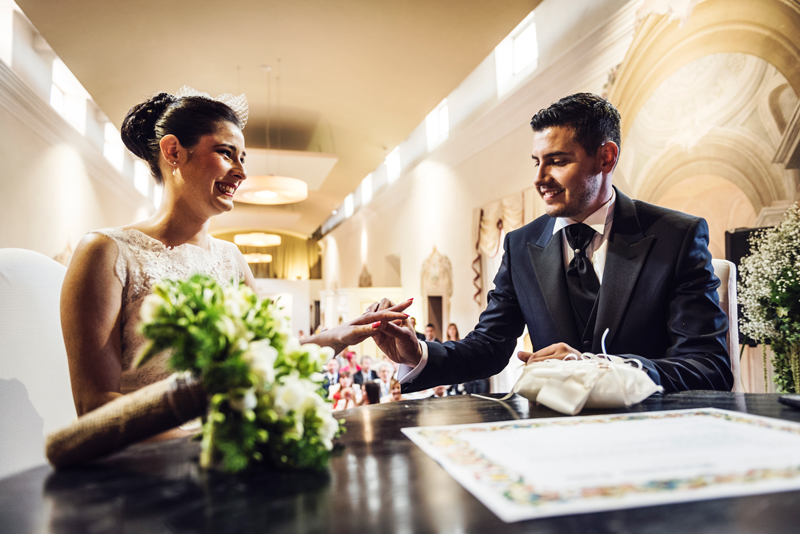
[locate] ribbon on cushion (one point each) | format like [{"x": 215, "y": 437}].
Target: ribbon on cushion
[{"x": 585, "y": 380}]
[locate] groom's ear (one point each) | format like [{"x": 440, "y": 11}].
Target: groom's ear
[{"x": 607, "y": 156}]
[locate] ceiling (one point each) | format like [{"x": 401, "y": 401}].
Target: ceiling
[{"x": 348, "y": 77}]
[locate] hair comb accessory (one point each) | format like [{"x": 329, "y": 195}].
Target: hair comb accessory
[{"x": 237, "y": 103}]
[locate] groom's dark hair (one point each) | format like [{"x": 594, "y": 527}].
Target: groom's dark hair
[{"x": 594, "y": 119}]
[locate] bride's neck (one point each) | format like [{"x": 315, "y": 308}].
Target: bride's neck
[{"x": 175, "y": 227}]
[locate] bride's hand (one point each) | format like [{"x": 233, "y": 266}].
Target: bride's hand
[{"x": 359, "y": 329}]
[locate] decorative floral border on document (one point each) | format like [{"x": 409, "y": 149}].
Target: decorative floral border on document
[{"x": 514, "y": 488}]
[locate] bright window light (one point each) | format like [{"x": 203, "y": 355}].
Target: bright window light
[
  {"x": 57, "y": 99},
  {"x": 348, "y": 205},
  {"x": 366, "y": 190},
  {"x": 392, "y": 163},
  {"x": 141, "y": 177},
  {"x": 71, "y": 103},
  {"x": 515, "y": 57},
  {"x": 525, "y": 49},
  {"x": 437, "y": 125},
  {"x": 113, "y": 149},
  {"x": 158, "y": 191}
]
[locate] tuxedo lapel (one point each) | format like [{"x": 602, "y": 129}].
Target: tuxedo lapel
[
  {"x": 547, "y": 258},
  {"x": 627, "y": 251}
]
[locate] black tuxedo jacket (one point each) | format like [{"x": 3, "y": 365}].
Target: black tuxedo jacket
[
  {"x": 358, "y": 377},
  {"x": 327, "y": 383},
  {"x": 658, "y": 298}
]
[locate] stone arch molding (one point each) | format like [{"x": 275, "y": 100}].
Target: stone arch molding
[
  {"x": 735, "y": 155},
  {"x": 437, "y": 281},
  {"x": 767, "y": 29}
]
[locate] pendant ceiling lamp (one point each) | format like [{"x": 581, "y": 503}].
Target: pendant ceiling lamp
[
  {"x": 257, "y": 239},
  {"x": 272, "y": 187},
  {"x": 271, "y": 190},
  {"x": 258, "y": 258}
]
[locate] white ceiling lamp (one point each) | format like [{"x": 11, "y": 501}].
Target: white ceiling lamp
[
  {"x": 271, "y": 190},
  {"x": 258, "y": 258},
  {"x": 257, "y": 239},
  {"x": 268, "y": 185}
]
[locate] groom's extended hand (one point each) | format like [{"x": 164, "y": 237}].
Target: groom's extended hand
[{"x": 397, "y": 338}]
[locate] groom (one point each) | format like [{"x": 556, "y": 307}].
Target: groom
[{"x": 598, "y": 260}]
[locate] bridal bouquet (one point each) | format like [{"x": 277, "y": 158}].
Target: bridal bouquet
[
  {"x": 770, "y": 295},
  {"x": 266, "y": 402}
]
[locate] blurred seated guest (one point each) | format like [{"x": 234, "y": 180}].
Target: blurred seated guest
[
  {"x": 440, "y": 391},
  {"x": 480, "y": 386},
  {"x": 421, "y": 337},
  {"x": 395, "y": 393},
  {"x": 301, "y": 334},
  {"x": 343, "y": 394},
  {"x": 366, "y": 374},
  {"x": 430, "y": 333},
  {"x": 371, "y": 394},
  {"x": 385, "y": 373},
  {"x": 331, "y": 374},
  {"x": 350, "y": 362}
]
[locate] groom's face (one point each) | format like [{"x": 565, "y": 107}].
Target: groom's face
[{"x": 567, "y": 178}]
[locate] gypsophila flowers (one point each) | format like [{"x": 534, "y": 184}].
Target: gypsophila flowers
[
  {"x": 265, "y": 389},
  {"x": 769, "y": 292}
]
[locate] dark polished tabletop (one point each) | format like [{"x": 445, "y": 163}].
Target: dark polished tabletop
[{"x": 379, "y": 482}]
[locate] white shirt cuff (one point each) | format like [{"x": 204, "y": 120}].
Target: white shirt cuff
[{"x": 406, "y": 374}]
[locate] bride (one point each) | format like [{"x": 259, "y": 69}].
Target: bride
[{"x": 195, "y": 149}]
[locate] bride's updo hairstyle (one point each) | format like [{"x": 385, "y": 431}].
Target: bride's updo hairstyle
[{"x": 187, "y": 118}]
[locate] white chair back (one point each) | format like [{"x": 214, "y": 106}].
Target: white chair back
[
  {"x": 35, "y": 394},
  {"x": 726, "y": 272}
]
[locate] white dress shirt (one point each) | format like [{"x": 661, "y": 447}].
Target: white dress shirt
[{"x": 600, "y": 221}]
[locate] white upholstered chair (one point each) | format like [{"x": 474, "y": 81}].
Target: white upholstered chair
[
  {"x": 35, "y": 394},
  {"x": 726, "y": 272}
]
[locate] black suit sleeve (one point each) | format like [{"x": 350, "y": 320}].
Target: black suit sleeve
[
  {"x": 485, "y": 351},
  {"x": 698, "y": 356}
]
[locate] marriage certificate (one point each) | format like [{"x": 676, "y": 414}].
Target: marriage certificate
[{"x": 568, "y": 465}]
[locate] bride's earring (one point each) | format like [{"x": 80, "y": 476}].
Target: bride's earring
[{"x": 175, "y": 170}]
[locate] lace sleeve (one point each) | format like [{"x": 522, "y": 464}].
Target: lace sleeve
[
  {"x": 234, "y": 251},
  {"x": 121, "y": 265}
]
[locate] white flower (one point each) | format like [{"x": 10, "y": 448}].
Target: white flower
[
  {"x": 235, "y": 301},
  {"x": 227, "y": 327},
  {"x": 293, "y": 345},
  {"x": 292, "y": 394},
  {"x": 262, "y": 356},
  {"x": 328, "y": 430},
  {"x": 326, "y": 354},
  {"x": 150, "y": 306},
  {"x": 247, "y": 401}
]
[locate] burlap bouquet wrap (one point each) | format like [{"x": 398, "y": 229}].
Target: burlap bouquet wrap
[{"x": 142, "y": 414}]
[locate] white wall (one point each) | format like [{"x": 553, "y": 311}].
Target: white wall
[
  {"x": 56, "y": 183},
  {"x": 297, "y": 297},
  {"x": 485, "y": 159}
]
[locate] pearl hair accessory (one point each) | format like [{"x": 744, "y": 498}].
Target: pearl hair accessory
[{"x": 237, "y": 103}]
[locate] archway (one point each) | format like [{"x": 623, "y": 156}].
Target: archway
[{"x": 767, "y": 29}]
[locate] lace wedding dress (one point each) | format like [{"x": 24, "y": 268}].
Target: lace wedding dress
[{"x": 142, "y": 262}]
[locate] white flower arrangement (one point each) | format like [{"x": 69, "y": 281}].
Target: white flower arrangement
[
  {"x": 266, "y": 403},
  {"x": 769, "y": 292}
]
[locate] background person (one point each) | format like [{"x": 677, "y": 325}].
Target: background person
[
  {"x": 366, "y": 374},
  {"x": 371, "y": 394}
]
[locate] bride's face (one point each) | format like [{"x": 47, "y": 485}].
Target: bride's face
[{"x": 213, "y": 170}]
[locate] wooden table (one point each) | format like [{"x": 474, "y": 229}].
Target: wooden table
[{"x": 380, "y": 482}]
